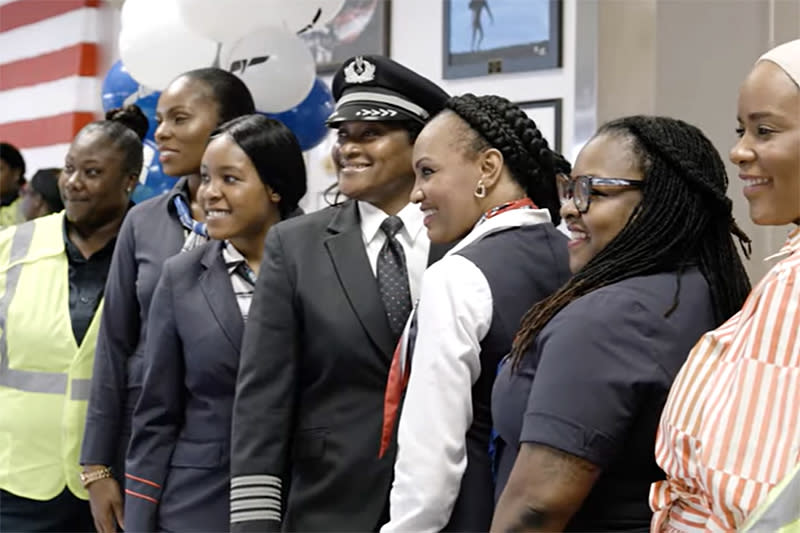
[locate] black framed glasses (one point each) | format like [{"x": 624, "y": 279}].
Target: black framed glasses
[{"x": 581, "y": 188}]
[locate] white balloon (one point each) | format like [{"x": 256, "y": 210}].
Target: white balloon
[
  {"x": 303, "y": 15},
  {"x": 229, "y": 20},
  {"x": 223, "y": 20},
  {"x": 275, "y": 65},
  {"x": 155, "y": 45}
]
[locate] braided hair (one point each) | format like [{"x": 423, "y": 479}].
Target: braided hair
[
  {"x": 684, "y": 219},
  {"x": 497, "y": 123}
]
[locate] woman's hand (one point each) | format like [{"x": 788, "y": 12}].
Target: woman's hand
[{"x": 105, "y": 500}]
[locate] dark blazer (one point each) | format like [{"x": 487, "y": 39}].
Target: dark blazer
[
  {"x": 177, "y": 471},
  {"x": 313, "y": 371},
  {"x": 149, "y": 235}
]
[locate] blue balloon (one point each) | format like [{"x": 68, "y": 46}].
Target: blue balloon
[
  {"x": 307, "y": 119},
  {"x": 119, "y": 90},
  {"x": 154, "y": 182},
  {"x": 118, "y": 85}
]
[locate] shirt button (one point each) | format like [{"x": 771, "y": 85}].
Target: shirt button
[{"x": 84, "y": 300}]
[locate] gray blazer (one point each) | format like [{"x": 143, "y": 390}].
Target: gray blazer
[
  {"x": 149, "y": 235},
  {"x": 313, "y": 370},
  {"x": 177, "y": 473}
]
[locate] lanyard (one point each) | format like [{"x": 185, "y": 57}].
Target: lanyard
[
  {"x": 186, "y": 217},
  {"x": 524, "y": 203}
]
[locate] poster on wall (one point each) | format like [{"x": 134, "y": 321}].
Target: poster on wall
[
  {"x": 547, "y": 116},
  {"x": 492, "y": 36},
  {"x": 361, "y": 27}
]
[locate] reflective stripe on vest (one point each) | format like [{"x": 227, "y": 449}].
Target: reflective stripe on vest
[
  {"x": 25, "y": 380},
  {"x": 781, "y": 511},
  {"x": 28, "y": 380}
]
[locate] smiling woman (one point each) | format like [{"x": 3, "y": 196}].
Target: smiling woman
[
  {"x": 767, "y": 153},
  {"x": 50, "y": 266},
  {"x": 485, "y": 177},
  {"x": 743, "y": 378},
  {"x": 252, "y": 174},
  {"x": 333, "y": 295},
  {"x": 189, "y": 109},
  {"x": 655, "y": 266},
  {"x": 369, "y": 157}
]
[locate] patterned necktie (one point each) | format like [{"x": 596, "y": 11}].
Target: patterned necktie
[{"x": 393, "y": 277}]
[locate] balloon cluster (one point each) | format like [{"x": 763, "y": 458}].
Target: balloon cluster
[{"x": 255, "y": 39}]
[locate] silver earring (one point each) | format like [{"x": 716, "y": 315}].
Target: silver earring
[{"x": 480, "y": 190}]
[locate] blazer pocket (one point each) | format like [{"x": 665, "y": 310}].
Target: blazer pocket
[
  {"x": 309, "y": 444},
  {"x": 190, "y": 454}
]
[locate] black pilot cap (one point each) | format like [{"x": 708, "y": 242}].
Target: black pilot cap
[{"x": 377, "y": 88}]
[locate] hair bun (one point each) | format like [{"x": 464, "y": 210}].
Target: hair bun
[{"x": 132, "y": 117}]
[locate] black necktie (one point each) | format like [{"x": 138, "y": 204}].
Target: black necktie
[{"x": 393, "y": 277}]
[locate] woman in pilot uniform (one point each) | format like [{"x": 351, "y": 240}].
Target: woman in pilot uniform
[
  {"x": 334, "y": 293},
  {"x": 177, "y": 468}
]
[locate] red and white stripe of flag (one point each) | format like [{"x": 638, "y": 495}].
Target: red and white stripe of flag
[{"x": 49, "y": 85}]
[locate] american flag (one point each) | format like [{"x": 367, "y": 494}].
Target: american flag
[{"x": 49, "y": 85}]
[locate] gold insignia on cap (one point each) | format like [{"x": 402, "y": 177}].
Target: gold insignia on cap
[{"x": 359, "y": 71}]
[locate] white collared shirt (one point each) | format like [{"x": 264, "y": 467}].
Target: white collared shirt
[
  {"x": 412, "y": 237},
  {"x": 454, "y": 314}
]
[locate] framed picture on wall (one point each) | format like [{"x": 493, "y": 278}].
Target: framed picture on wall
[
  {"x": 547, "y": 116},
  {"x": 361, "y": 27},
  {"x": 492, "y": 36}
]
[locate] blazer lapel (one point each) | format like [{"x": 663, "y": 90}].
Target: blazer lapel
[
  {"x": 346, "y": 248},
  {"x": 216, "y": 286}
]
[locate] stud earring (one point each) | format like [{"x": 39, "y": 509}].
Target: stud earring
[{"x": 480, "y": 190}]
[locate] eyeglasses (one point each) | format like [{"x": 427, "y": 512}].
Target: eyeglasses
[{"x": 581, "y": 188}]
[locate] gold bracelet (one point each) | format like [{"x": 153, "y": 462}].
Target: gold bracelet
[{"x": 87, "y": 478}]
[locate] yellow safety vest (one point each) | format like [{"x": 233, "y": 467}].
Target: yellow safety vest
[
  {"x": 44, "y": 374},
  {"x": 780, "y": 513}
]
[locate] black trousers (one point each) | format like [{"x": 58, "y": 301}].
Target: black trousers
[{"x": 63, "y": 514}]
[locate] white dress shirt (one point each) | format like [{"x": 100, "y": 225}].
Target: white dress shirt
[
  {"x": 412, "y": 237},
  {"x": 454, "y": 314}
]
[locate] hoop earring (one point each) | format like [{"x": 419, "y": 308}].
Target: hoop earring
[{"x": 480, "y": 190}]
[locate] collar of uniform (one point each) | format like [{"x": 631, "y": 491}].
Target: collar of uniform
[
  {"x": 792, "y": 245},
  {"x": 75, "y": 256},
  {"x": 509, "y": 219},
  {"x": 372, "y": 217},
  {"x": 181, "y": 188},
  {"x": 231, "y": 256}
]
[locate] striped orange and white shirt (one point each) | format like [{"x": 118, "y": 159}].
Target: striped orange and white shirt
[{"x": 730, "y": 430}]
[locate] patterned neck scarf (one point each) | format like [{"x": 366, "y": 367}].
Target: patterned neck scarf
[{"x": 196, "y": 232}]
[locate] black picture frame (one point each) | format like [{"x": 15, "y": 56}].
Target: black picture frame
[
  {"x": 547, "y": 116},
  {"x": 346, "y": 36},
  {"x": 539, "y": 54}
]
